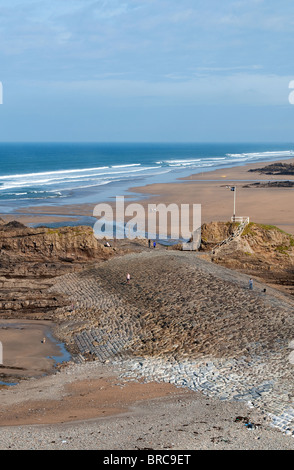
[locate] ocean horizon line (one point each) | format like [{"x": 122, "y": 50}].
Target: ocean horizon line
[{"x": 159, "y": 142}]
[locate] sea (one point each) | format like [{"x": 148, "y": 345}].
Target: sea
[{"x": 54, "y": 174}]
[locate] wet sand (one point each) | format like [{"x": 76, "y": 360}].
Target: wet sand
[
  {"x": 273, "y": 206},
  {"x": 76, "y": 399},
  {"x": 90, "y": 406},
  {"x": 25, "y": 353}
]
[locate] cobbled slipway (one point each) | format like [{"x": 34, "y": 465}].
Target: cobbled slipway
[{"x": 184, "y": 320}]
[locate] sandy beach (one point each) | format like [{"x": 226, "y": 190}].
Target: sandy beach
[
  {"x": 133, "y": 396},
  {"x": 146, "y": 230},
  {"x": 274, "y": 206},
  {"x": 91, "y": 407},
  {"x": 130, "y": 402},
  {"x": 28, "y": 350}
]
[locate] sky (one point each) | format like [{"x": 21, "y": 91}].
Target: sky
[{"x": 146, "y": 70}]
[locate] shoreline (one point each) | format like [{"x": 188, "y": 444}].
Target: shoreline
[
  {"x": 68, "y": 395},
  {"x": 269, "y": 206},
  {"x": 273, "y": 206},
  {"x": 29, "y": 349},
  {"x": 97, "y": 398}
]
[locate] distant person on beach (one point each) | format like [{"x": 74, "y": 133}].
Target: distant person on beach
[
  {"x": 250, "y": 284},
  {"x": 128, "y": 278},
  {"x": 154, "y": 244},
  {"x": 149, "y": 242}
]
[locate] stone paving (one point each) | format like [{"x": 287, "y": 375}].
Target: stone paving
[
  {"x": 223, "y": 380},
  {"x": 186, "y": 321}
]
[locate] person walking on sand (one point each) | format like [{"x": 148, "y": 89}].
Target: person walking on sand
[
  {"x": 154, "y": 244},
  {"x": 128, "y": 278},
  {"x": 149, "y": 242},
  {"x": 250, "y": 284}
]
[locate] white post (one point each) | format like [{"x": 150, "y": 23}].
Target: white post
[{"x": 235, "y": 190}]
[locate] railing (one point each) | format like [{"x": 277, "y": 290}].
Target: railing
[
  {"x": 243, "y": 222},
  {"x": 240, "y": 219},
  {"x": 195, "y": 242}
]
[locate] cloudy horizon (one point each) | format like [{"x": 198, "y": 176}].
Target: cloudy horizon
[{"x": 146, "y": 70}]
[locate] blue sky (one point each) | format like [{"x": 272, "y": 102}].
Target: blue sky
[{"x": 146, "y": 70}]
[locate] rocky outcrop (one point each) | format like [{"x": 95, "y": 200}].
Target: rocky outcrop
[
  {"x": 275, "y": 169},
  {"x": 66, "y": 243},
  {"x": 263, "y": 251},
  {"x": 215, "y": 232},
  {"x": 271, "y": 184},
  {"x": 31, "y": 258}
]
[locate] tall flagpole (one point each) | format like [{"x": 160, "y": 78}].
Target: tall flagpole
[{"x": 234, "y": 189}]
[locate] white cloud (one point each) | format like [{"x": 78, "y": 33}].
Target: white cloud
[
  {"x": 189, "y": 51},
  {"x": 235, "y": 89},
  {"x": 229, "y": 69}
]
